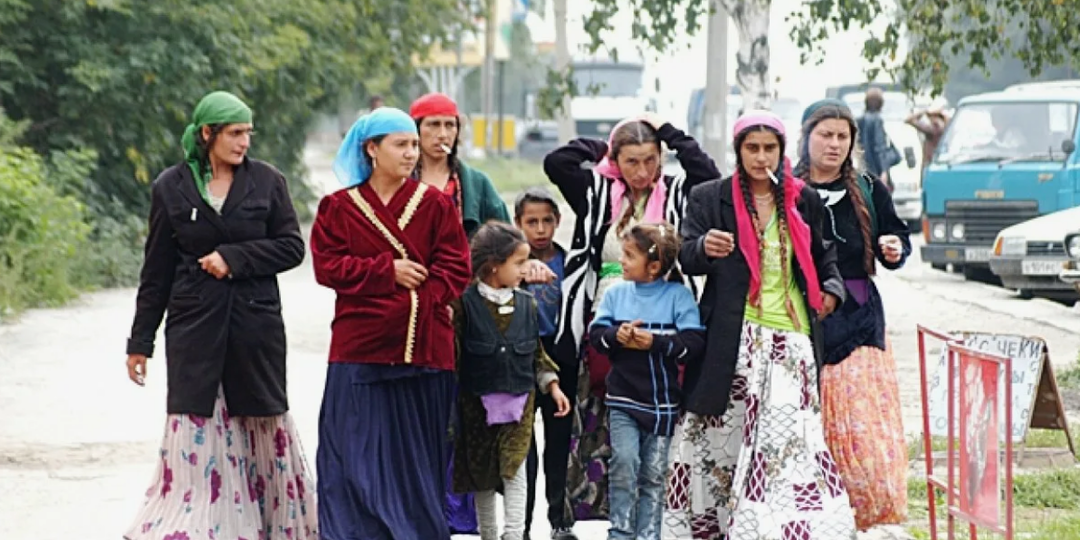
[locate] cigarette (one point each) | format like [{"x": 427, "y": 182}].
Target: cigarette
[
  {"x": 445, "y": 148},
  {"x": 772, "y": 177}
]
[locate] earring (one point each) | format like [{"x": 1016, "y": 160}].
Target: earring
[{"x": 374, "y": 163}]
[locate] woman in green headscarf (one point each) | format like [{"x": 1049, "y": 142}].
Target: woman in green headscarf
[{"x": 222, "y": 226}]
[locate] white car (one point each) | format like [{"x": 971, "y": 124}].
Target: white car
[
  {"x": 1029, "y": 256},
  {"x": 1070, "y": 274}
]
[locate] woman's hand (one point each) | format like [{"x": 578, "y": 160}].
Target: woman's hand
[
  {"x": 891, "y": 248},
  {"x": 562, "y": 403},
  {"x": 409, "y": 274},
  {"x": 719, "y": 244},
  {"x": 653, "y": 120},
  {"x": 828, "y": 304},
  {"x": 215, "y": 265},
  {"x": 136, "y": 365},
  {"x": 538, "y": 272}
]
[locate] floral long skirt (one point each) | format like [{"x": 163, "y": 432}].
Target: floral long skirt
[
  {"x": 860, "y": 403},
  {"x": 762, "y": 470},
  {"x": 225, "y": 478}
]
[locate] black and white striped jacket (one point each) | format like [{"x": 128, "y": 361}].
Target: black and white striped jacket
[{"x": 589, "y": 195}]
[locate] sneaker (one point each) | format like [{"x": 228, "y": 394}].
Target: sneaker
[{"x": 563, "y": 533}]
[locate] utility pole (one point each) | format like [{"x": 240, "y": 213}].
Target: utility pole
[
  {"x": 567, "y": 130},
  {"x": 716, "y": 87},
  {"x": 490, "y": 29}
]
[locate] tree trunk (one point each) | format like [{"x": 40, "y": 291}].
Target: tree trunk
[
  {"x": 751, "y": 19},
  {"x": 567, "y": 130}
]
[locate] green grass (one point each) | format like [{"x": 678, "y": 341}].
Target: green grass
[
  {"x": 1069, "y": 378},
  {"x": 1047, "y": 506},
  {"x": 511, "y": 175}
]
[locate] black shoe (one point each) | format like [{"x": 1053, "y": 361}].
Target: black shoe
[{"x": 563, "y": 533}]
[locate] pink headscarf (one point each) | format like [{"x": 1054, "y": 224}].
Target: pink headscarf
[
  {"x": 609, "y": 168},
  {"x": 797, "y": 227}
]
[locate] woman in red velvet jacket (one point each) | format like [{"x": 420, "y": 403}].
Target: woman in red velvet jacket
[{"x": 395, "y": 252}]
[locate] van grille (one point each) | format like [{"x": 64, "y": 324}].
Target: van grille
[{"x": 983, "y": 220}]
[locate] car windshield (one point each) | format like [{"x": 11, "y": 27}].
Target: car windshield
[
  {"x": 896, "y": 109},
  {"x": 1018, "y": 131},
  {"x": 608, "y": 81}
]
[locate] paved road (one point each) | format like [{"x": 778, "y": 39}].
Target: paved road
[{"x": 78, "y": 441}]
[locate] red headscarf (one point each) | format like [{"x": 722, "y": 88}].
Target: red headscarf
[
  {"x": 433, "y": 104},
  {"x": 797, "y": 227}
]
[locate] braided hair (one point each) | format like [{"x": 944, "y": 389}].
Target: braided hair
[
  {"x": 848, "y": 172},
  {"x": 779, "y": 192},
  {"x": 630, "y": 134}
]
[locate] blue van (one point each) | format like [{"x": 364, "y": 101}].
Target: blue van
[{"x": 1005, "y": 158}]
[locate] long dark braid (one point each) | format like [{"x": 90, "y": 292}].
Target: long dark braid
[{"x": 779, "y": 192}]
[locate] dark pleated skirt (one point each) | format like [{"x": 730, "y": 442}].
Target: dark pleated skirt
[{"x": 383, "y": 453}]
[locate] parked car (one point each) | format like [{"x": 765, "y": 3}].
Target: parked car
[
  {"x": 1070, "y": 274},
  {"x": 1029, "y": 256}
]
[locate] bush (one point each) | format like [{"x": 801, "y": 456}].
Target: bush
[{"x": 41, "y": 234}]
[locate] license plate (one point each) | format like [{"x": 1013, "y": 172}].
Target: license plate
[
  {"x": 1041, "y": 268},
  {"x": 977, "y": 254}
]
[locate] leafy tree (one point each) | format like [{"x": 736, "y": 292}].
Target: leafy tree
[
  {"x": 122, "y": 76},
  {"x": 935, "y": 33}
]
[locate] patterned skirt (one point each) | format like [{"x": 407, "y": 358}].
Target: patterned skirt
[
  {"x": 761, "y": 471},
  {"x": 590, "y": 442},
  {"x": 860, "y": 402},
  {"x": 225, "y": 478}
]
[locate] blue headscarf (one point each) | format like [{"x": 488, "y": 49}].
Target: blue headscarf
[{"x": 350, "y": 165}]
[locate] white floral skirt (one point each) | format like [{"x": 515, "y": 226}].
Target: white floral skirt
[
  {"x": 224, "y": 478},
  {"x": 761, "y": 471}
]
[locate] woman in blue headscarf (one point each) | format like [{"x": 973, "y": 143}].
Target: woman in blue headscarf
[{"x": 394, "y": 252}]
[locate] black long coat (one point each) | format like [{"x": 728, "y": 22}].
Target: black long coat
[
  {"x": 226, "y": 332},
  {"x": 723, "y": 302}
]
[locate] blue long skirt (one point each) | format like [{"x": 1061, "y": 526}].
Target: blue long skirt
[{"x": 383, "y": 453}]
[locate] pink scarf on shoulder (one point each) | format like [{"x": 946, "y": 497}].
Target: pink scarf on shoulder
[
  {"x": 797, "y": 228},
  {"x": 608, "y": 168}
]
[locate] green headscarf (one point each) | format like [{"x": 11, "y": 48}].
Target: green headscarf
[{"x": 215, "y": 108}]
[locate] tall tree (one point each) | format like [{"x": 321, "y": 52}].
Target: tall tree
[{"x": 122, "y": 76}]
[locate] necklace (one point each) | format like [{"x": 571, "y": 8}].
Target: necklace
[{"x": 766, "y": 197}]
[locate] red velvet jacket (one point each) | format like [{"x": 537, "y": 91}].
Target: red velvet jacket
[{"x": 374, "y": 317}]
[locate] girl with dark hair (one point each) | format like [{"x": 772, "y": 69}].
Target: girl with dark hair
[
  {"x": 222, "y": 227},
  {"x": 753, "y": 458},
  {"x": 859, "y": 393},
  {"x": 438, "y": 122},
  {"x": 611, "y": 187},
  {"x": 648, "y": 325},
  {"x": 394, "y": 253},
  {"x": 500, "y": 364}
]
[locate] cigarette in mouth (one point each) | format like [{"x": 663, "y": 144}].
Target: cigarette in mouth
[
  {"x": 445, "y": 148},
  {"x": 772, "y": 177}
]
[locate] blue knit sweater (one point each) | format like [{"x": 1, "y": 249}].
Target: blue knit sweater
[{"x": 645, "y": 384}]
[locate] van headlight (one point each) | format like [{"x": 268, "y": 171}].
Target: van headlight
[
  {"x": 1072, "y": 245},
  {"x": 957, "y": 231},
  {"x": 938, "y": 231},
  {"x": 1013, "y": 246}
]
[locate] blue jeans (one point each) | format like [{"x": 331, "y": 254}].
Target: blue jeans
[{"x": 636, "y": 479}]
